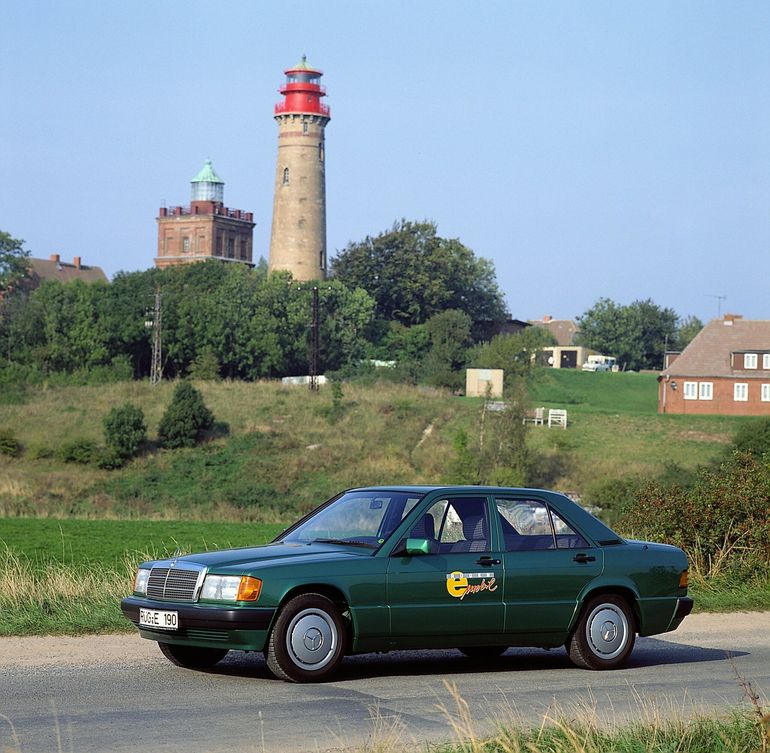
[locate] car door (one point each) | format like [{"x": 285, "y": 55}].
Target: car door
[
  {"x": 457, "y": 588},
  {"x": 547, "y": 565}
]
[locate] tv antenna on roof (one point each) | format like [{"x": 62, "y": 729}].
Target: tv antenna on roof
[{"x": 719, "y": 298}]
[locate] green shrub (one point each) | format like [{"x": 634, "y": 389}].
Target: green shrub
[
  {"x": 185, "y": 419},
  {"x": 721, "y": 521},
  {"x": 40, "y": 451},
  {"x": 124, "y": 433},
  {"x": 9, "y": 445},
  {"x": 754, "y": 437},
  {"x": 79, "y": 450}
]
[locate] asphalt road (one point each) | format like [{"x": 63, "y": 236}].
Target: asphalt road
[{"x": 117, "y": 693}]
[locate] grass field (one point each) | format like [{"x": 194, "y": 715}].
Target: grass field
[
  {"x": 68, "y": 576},
  {"x": 108, "y": 544},
  {"x": 283, "y": 454}
]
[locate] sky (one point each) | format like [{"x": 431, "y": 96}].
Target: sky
[{"x": 589, "y": 149}]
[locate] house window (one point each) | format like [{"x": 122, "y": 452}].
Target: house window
[
  {"x": 690, "y": 390},
  {"x": 766, "y": 361},
  {"x": 740, "y": 392},
  {"x": 749, "y": 360},
  {"x": 321, "y": 151},
  {"x": 765, "y": 393},
  {"x": 285, "y": 176},
  {"x": 304, "y": 126},
  {"x": 230, "y": 248},
  {"x": 705, "y": 390},
  {"x": 185, "y": 245}
]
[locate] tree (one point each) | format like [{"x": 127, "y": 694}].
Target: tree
[
  {"x": 450, "y": 336},
  {"x": 185, "y": 419},
  {"x": 14, "y": 267},
  {"x": 515, "y": 354},
  {"x": 686, "y": 330},
  {"x": 635, "y": 334},
  {"x": 14, "y": 264},
  {"x": 412, "y": 274}
]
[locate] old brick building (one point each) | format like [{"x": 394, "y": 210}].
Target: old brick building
[
  {"x": 207, "y": 229},
  {"x": 725, "y": 370}
]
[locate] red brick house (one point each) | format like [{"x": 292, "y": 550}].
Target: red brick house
[{"x": 725, "y": 370}]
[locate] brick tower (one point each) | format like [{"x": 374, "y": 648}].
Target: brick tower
[
  {"x": 298, "y": 235},
  {"x": 207, "y": 229}
]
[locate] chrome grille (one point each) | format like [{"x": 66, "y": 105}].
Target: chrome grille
[{"x": 175, "y": 584}]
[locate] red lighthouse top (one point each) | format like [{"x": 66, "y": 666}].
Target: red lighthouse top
[{"x": 303, "y": 91}]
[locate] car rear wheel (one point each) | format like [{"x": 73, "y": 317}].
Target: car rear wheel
[
  {"x": 307, "y": 642},
  {"x": 605, "y": 633},
  {"x": 192, "y": 657},
  {"x": 483, "y": 653}
]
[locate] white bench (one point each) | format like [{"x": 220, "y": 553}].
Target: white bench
[
  {"x": 536, "y": 417},
  {"x": 557, "y": 417}
]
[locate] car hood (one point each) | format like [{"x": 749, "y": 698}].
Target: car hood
[{"x": 268, "y": 555}]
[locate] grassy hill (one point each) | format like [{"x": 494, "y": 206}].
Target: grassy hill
[{"x": 286, "y": 451}]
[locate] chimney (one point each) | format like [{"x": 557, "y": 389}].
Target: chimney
[
  {"x": 732, "y": 317},
  {"x": 547, "y": 318},
  {"x": 54, "y": 257},
  {"x": 76, "y": 262}
]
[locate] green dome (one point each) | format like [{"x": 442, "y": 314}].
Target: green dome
[{"x": 207, "y": 175}]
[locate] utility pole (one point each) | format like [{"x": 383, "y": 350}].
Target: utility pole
[
  {"x": 156, "y": 367},
  {"x": 314, "y": 342}
]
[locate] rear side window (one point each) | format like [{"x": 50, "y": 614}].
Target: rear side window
[{"x": 530, "y": 525}]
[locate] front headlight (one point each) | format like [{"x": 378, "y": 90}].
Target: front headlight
[
  {"x": 140, "y": 581},
  {"x": 231, "y": 588}
]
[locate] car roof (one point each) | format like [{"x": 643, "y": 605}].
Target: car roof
[{"x": 425, "y": 488}]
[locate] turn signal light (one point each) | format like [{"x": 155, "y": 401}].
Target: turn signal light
[
  {"x": 684, "y": 579},
  {"x": 249, "y": 589}
]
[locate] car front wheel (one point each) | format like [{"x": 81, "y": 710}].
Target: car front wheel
[
  {"x": 192, "y": 657},
  {"x": 307, "y": 642},
  {"x": 605, "y": 633}
]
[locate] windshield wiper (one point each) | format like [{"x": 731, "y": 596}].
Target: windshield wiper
[{"x": 345, "y": 541}]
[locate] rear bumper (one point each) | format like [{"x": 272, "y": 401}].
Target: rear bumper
[{"x": 243, "y": 628}]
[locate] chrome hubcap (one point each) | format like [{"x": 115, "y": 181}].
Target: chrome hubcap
[
  {"x": 607, "y": 631},
  {"x": 311, "y": 639}
]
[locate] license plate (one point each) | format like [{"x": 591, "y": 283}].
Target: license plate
[{"x": 159, "y": 620}]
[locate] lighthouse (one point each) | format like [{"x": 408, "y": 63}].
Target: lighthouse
[{"x": 298, "y": 234}]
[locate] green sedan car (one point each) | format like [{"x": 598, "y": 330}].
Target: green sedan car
[{"x": 414, "y": 567}]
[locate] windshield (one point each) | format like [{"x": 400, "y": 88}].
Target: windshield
[{"x": 357, "y": 518}]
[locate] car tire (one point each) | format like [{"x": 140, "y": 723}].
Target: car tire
[
  {"x": 605, "y": 633},
  {"x": 483, "y": 653},
  {"x": 192, "y": 657},
  {"x": 307, "y": 642}
]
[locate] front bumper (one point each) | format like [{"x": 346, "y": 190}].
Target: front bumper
[
  {"x": 209, "y": 625},
  {"x": 684, "y": 606}
]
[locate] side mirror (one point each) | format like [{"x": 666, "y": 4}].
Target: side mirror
[{"x": 417, "y": 546}]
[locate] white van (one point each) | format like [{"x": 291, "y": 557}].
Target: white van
[{"x": 600, "y": 363}]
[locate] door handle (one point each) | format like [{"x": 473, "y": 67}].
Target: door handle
[
  {"x": 487, "y": 561},
  {"x": 583, "y": 558}
]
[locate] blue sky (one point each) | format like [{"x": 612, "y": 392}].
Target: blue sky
[{"x": 590, "y": 149}]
